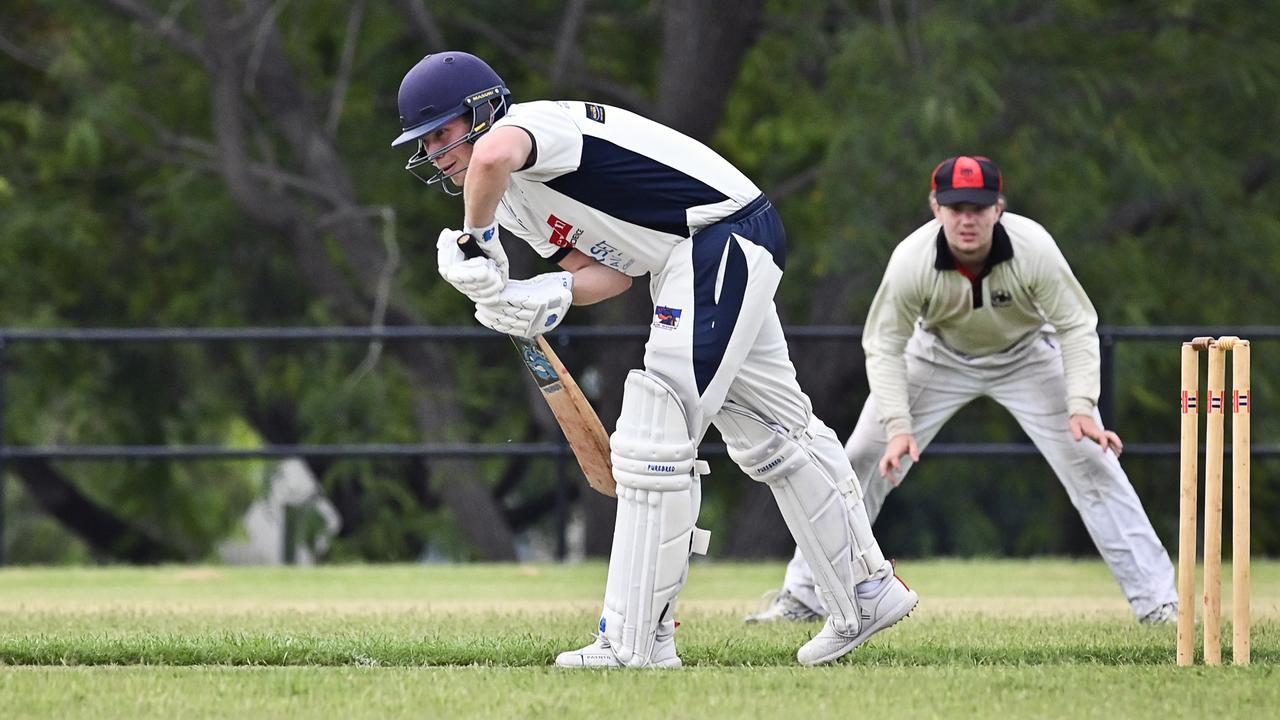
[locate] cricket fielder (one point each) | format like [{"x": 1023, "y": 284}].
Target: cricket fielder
[
  {"x": 610, "y": 196},
  {"x": 981, "y": 302}
]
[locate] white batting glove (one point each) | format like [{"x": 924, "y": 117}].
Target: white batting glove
[
  {"x": 529, "y": 308},
  {"x": 478, "y": 278}
]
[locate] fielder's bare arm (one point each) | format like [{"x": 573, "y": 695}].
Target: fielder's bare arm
[
  {"x": 981, "y": 302},
  {"x": 610, "y": 196}
]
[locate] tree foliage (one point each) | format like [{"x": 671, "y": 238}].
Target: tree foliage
[{"x": 227, "y": 163}]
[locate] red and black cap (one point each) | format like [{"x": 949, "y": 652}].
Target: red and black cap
[{"x": 968, "y": 179}]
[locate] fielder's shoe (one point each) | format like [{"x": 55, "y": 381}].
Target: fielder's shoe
[
  {"x": 1166, "y": 614},
  {"x": 881, "y": 604},
  {"x": 600, "y": 655},
  {"x": 782, "y": 605}
]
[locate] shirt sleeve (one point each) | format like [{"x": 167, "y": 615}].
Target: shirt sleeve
[
  {"x": 557, "y": 139},
  {"x": 1066, "y": 306},
  {"x": 890, "y": 322}
]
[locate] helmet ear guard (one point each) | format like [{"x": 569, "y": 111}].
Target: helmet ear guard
[{"x": 484, "y": 111}]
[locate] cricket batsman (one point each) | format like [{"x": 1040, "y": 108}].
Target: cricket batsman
[{"x": 609, "y": 196}]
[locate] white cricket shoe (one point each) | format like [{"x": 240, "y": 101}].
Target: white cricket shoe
[
  {"x": 599, "y": 654},
  {"x": 1166, "y": 614},
  {"x": 881, "y": 603},
  {"x": 783, "y": 605}
]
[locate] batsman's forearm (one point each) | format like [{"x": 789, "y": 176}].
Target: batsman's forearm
[
  {"x": 595, "y": 282},
  {"x": 483, "y": 191},
  {"x": 499, "y": 153}
]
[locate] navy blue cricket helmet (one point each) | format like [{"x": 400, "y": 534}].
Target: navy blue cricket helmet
[{"x": 444, "y": 86}]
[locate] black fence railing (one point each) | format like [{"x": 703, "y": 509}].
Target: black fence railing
[{"x": 1110, "y": 337}]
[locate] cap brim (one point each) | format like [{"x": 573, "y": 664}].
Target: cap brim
[
  {"x": 414, "y": 133},
  {"x": 977, "y": 196}
]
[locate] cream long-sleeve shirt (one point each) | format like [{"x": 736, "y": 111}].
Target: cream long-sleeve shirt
[{"x": 1025, "y": 284}]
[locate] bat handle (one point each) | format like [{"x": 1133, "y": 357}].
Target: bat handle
[{"x": 470, "y": 248}]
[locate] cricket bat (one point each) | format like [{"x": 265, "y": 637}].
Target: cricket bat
[{"x": 578, "y": 420}]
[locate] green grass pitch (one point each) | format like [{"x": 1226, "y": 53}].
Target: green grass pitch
[{"x": 1043, "y": 638}]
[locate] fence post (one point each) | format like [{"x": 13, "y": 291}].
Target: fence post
[
  {"x": 562, "y": 503},
  {"x": 562, "y": 481},
  {"x": 1107, "y": 395},
  {"x": 4, "y": 367},
  {"x": 291, "y": 513}
]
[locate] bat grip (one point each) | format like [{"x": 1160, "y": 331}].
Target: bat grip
[{"x": 470, "y": 248}]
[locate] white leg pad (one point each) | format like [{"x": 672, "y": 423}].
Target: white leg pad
[
  {"x": 654, "y": 463},
  {"x": 869, "y": 561},
  {"x": 812, "y": 504}
]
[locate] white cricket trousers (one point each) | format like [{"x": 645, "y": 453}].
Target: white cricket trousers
[{"x": 1028, "y": 381}]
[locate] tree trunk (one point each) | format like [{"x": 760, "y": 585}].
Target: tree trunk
[
  {"x": 703, "y": 43},
  {"x": 109, "y": 536}
]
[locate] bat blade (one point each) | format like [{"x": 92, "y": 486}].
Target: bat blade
[{"x": 578, "y": 420}]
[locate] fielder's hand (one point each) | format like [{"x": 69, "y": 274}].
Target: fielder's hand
[
  {"x": 480, "y": 279},
  {"x": 529, "y": 308},
  {"x": 891, "y": 461},
  {"x": 1083, "y": 426}
]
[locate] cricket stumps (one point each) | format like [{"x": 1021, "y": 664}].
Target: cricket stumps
[{"x": 1189, "y": 480}]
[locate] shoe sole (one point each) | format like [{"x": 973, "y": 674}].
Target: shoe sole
[
  {"x": 672, "y": 663},
  {"x": 753, "y": 620},
  {"x": 900, "y": 612}
]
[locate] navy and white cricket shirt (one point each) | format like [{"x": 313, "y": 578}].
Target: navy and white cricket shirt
[{"x": 616, "y": 186}]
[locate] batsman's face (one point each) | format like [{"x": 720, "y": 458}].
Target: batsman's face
[
  {"x": 456, "y": 159},
  {"x": 969, "y": 229}
]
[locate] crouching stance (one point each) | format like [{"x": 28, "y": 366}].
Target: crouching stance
[
  {"x": 610, "y": 196},
  {"x": 981, "y": 302}
]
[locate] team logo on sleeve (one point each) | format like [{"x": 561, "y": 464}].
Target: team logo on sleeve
[
  {"x": 595, "y": 112},
  {"x": 666, "y": 317}
]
